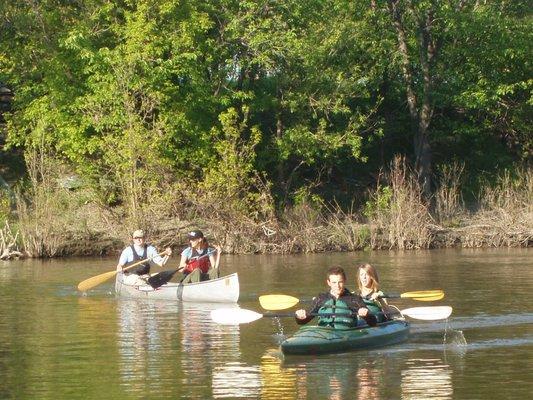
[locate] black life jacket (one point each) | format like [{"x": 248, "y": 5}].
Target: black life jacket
[{"x": 141, "y": 269}]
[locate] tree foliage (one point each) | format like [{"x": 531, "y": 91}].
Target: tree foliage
[{"x": 302, "y": 93}]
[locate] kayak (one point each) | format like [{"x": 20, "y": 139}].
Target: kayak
[
  {"x": 322, "y": 339},
  {"x": 220, "y": 290}
]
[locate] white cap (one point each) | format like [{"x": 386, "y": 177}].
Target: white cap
[{"x": 138, "y": 233}]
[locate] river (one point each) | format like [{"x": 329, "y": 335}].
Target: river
[{"x": 58, "y": 344}]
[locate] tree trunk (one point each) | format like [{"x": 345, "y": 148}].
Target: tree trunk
[{"x": 420, "y": 106}]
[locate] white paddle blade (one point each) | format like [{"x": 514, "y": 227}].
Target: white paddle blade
[
  {"x": 428, "y": 313},
  {"x": 234, "y": 316}
]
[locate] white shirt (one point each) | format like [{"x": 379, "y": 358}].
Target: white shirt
[{"x": 127, "y": 255}]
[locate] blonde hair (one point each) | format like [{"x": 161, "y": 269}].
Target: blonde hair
[{"x": 372, "y": 273}]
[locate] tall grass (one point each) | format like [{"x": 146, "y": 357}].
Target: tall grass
[
  {"x": 9, "y": 243},
  {"x": 397, "y": 215},
  {"x": 53, "y": 221},
  {"x": 449, "y": 204},
  {"x": 505, "y": 216}
]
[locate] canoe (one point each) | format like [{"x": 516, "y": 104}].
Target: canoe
[
  {"x": 221, "y": 290},
  {"x": 321, "y": 339}
]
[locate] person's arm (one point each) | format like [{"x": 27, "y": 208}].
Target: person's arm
[
  {"x": 124, "y": 258},
  {"x": 184, "y": 259},
  {"x": 304, "y": 316},
  {"x": 156, "y": 257},
  {"x": 359, "y": 307},
  {"x": 214, "y": 259},
  {"x": 376, "y": 295}
]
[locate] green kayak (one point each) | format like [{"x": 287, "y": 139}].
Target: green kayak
[{"x": 322, "y": 339}]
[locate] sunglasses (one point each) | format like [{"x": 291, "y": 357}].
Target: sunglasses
[{"x": 138, "y": 237}]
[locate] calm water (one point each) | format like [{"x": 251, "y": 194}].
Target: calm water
[{"x": 58, "y": 344}]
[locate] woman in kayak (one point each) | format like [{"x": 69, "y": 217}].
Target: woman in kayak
[
  {"x": 368, "y": 283},
  {"x": 199, "y": 262},
  {"x": 338, "y": 308}
]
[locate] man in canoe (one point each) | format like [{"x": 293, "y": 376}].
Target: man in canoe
[
  {"x": 137, "y": 251},
  {"x": 339, "y": 307}
]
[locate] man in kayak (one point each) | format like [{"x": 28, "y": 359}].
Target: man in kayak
[
  {"x": 338, "y": 308},
  {"x": 137, "y": 251}
]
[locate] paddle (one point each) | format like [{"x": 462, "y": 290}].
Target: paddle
[
  {"x": 428, "y": 313},
  {"x": 89, "y": 283},
  {"x": 163, "y": 277},
  {"x": 281, "y": 301},
  {"x": 235, "y": 316}
]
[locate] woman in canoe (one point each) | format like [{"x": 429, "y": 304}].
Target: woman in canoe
[
  {"x": 345, "y": 306},
  {"x": 199, "y": 262},
  {"x": 368, "y": 283}
]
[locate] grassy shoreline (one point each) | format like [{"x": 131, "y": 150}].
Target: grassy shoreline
[{"x": 59, "y": 222}]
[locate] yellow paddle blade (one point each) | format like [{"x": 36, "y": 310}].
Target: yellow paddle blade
[
  {"x": 277, "y": 301},
  {"x": 429, "y": 298},
  {"x": 98, "y": 279},
  {"x": 95, "y": 281},
  {"x": 422, "y": 293}
]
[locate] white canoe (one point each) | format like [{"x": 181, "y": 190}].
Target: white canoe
[{"x": 221, "y": 290}]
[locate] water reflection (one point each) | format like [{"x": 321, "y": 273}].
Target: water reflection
[
  {"x": 236, "y": 380},
  {"x": 369, "y": 375},
  {"x": 426, "y": 378},
  {"x": 335, "y": 377},
  {"x": 206, "y": 346},
  {"x": 278, "y": 382},
  {"x": 368, "y": 379},
  {"x": 169, "y": 348},
  {"x": 138, "y": 341}
]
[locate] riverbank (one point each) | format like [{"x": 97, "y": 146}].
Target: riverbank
[{"x": 394, "y": 215}]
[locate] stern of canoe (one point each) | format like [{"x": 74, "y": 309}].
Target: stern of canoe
[{"x": 220, "y": 290}]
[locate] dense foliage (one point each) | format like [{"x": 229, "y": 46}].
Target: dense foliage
[{"x": 296, "y": 98}]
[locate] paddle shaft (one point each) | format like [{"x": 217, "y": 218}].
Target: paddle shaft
[
  {"x": 236, "y": 316},
  {"x": 291, "y": 314},
  {"x": 436, "y": 294},
  {"x": 425, "y": 313},
  {"x": 163, "y": 277},
  {"x": 428, "y": 313},
  {"x": 276, "y": 302},
  {"x": 98, "y": 279}
]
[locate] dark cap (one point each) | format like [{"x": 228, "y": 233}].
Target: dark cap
[{"x": 195, "y": 234}]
